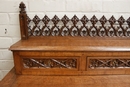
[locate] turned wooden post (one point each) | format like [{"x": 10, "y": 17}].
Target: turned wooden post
[{"x": 23, "y": 21}]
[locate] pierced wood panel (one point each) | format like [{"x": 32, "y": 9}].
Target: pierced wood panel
[
  {"x": 108, "y": 63},
  {"x": 50, "y": 63},
  {"x": 78, "y": 27},
  {"x": 74, "y": 26}
]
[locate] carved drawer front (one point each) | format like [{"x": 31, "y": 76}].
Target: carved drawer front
[
  {"x": 51, "y": 63},
  {"x": 108, "y": 65}
]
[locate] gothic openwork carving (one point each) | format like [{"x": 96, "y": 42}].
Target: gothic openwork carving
[
  {"x": 65, "y": 26},
  {"x": 49, "y": 63},
  {"x": 78, "y": 27},
  {"x": 109, "y": 63}
]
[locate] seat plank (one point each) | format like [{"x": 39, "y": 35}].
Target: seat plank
[{"x": 72, "y": 44}]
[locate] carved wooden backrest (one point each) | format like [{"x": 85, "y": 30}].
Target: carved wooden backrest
[{"x": 72, "y": 27}]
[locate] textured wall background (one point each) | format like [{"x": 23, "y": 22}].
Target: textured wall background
[{"x": 9, "y": 10}]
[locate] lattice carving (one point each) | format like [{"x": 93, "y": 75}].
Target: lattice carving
[
  {"x": 36, "y": 20},
  {"x": 49, "y": 63},
  {"x": 109, "y": 63},
  {"x": 65, "y": 29},
  {"x": 112, "y": 20},
  {"x": 84, "y": 20},
  {"x": 121, "y": 20},
  {"x": 92, "y": 27},
  {"x": 103, "y": 20},
  {"x": 55, "y": 19},
  {"x": 94, "y": 20},
  {"x": 45, "y": 19},
  {"x": 74, "y": 26},
  {"x": 75, "y": 19},
  {"x": 65, "y": 20},
  {"x": 128, "y": 21}
]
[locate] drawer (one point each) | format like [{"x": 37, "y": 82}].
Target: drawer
[
  {"x": 108, "y": 65},
  {"x": 47, "y": 63},
  {"x": 108, "y": 62},
  {"x": 68, "y": 63}
]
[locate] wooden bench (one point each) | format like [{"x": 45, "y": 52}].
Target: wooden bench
[{"x": 72, "y": 46}]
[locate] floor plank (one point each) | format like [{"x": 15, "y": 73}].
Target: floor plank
[{"x": 12, "y": 80}]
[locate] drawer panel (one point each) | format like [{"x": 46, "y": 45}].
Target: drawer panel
[
  {"x": 47, "y": 63},
  {"x": 50, "y": 65},
  {"x": 108, "y": 62},
  {"x": 69, "y": 63},
  {"x": 107, "y": 66}
]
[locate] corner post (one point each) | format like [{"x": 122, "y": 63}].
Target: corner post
[{"x": 23, "y": 21}]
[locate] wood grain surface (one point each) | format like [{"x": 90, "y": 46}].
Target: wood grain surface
[
  {"x": 13, "y": 80},
  {"x": 72, "y": 44}
]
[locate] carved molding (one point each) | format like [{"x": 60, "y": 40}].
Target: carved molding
[
  {"x": 109, "y": 63},
  {"x": 49, "y": 63}
]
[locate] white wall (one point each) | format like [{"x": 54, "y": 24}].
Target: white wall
[{"x": 9, "y": 10}]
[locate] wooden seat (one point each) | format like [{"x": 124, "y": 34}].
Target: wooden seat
[{"x": 72, "y": 44}]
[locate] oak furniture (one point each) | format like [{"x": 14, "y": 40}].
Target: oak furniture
[
  {"x": 76, "y": 46},
  {"x": 13, "y": 80}
]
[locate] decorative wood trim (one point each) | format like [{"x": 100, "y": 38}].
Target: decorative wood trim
[
  {"x": 50, "y": 63},
  {"x": 72, "y": 27},
  {"x": 23, "y": 21},
  {"x": 78, "y": 27},
  {"x": 109, "y": 63}
]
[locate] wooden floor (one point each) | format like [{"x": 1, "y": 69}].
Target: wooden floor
[{"x": 12, "y": 80}]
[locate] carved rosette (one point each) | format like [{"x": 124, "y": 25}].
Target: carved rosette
[{"x": 50, "y": 63}]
